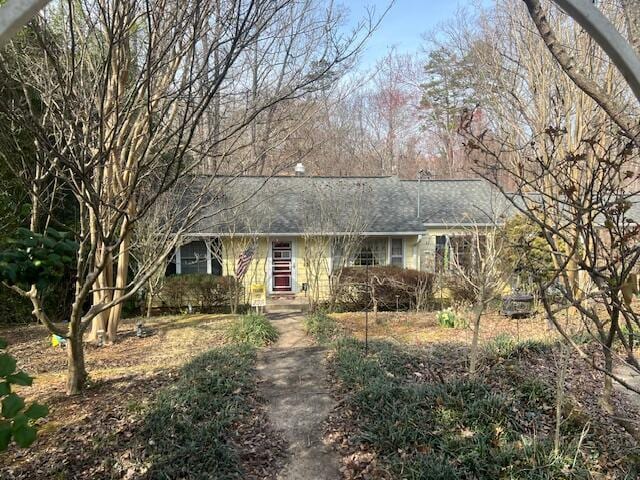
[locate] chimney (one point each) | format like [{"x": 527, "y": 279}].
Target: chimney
[{"x": 299, "y": 170}]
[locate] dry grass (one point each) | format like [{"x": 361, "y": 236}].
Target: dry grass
[
  {"x": 422, "y": 328},
  {"x": 124, "y": 377},
  {"x": 168, "y": 343}
]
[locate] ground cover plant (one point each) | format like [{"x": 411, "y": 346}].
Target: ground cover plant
[
  {"x": 254, "y": 329},
  {"x": 189, "y": 427},
  {"x": 413, "y": 412},
  {"x": 105, "y": 433},
  {"x": 321, "y": 327}
]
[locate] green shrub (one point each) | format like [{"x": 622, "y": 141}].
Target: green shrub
[
  {"x": 203, "y": 292},
  {"x": 17, "y": 421},
  {"x": 395, "y": 288},
  {"x": 449, "y": 319},
  {"x": 187, "y": 431},
  {"x": 321, "y": 327},
  {"x": 253, "y": 329},
  {"x": 502, "y": 346}
]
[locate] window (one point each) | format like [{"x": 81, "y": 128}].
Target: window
[
  {"x": 464, "y": 250},
  {"x": 193, "y": 258},
  {"x": 372, "y": 252},
  {"x": 215, "y": 244},
  {"x": 397, "y": 252},
  {"x": 441, "y": 259}
]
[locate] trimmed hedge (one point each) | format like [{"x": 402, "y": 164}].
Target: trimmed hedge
[
  {"x": 395, "y": 287},
  {"x": 202, "y": 291}
]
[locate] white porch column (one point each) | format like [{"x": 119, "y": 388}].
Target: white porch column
[{"x": 178, "y": 262}]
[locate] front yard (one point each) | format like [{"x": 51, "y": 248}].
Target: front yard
[
  {"x": 150, "y": 401},
  {"x": 409, "y": 409},
  {"x": 422, "y": 328},
  {"x": 183, "y": 402}
]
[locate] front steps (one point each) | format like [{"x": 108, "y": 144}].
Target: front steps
[{"x": 286, "y": 303}]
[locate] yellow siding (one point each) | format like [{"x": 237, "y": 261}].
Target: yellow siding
[
  {"x": 311, "y": 261},
  {"x": 312, "y": 257},
  {"x": 305, "y": 262},
  {"x": 257, "y": 272}
]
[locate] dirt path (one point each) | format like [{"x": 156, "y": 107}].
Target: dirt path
[{"x": 298, "y": 402}]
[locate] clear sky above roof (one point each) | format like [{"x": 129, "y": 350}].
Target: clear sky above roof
[{"x": 404, "y": 24}]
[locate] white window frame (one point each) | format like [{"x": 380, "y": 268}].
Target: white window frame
[
  {"x": 402, "y": 255},
  {"x": 207, "y": 244}
]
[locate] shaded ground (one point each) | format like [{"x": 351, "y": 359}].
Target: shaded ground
[
  {"x": 298, "y": 401},
  {"x": 95, "y": 435},
  {"x": 524, "y": 372}
]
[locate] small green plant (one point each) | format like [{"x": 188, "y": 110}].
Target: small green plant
[
  {"x": 253, "y": 329},
  {"x": 448, "y": 318},
  {"x": 17, "y": 421},
  {"x": 502, "y": 346},
  {"x": 506, "y": 346},
  {"x": 199, "y": 413},
  {"x": 321, "y": 327}
]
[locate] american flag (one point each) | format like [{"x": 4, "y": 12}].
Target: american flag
[{"x": 244, "y": 260}]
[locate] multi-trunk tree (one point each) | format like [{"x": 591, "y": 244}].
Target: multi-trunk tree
[{"x": 123, "y": 91}]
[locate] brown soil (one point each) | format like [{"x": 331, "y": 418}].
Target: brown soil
[{"x": 90, "y": 436}]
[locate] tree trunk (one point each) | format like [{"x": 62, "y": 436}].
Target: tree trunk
[
  {"x": 76, "y": 373},
  {"x": 561, "y": 375},
  {"x": 632, "y": 17},
  {"x": 607, "y": 350},
  {"x": 103, "y": 283},
  {"x": 149, "y": 303},
  {"x": 115, "y": 313},
  {"x": 473, "y": 354}
]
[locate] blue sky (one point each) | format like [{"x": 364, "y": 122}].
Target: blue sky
[{"x": 403, "y": 25}]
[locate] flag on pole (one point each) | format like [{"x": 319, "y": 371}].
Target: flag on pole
[{"x": 244, "y": 260}]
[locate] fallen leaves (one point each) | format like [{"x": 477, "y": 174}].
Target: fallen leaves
[{"x": 93, "y": 435}]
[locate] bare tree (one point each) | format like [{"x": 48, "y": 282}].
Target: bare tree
[
  {"x": 243, "y": 224},
  {"x": 615, "y": 109},
  {"x": 591, "y": 232},
  {"x": 150, "y": 234},
  {"x": 575, "y": 178},
  {"x": 335, "y": 218},
  {"x": 121, "y": 91},
  {"x": 477, "y": 259}
]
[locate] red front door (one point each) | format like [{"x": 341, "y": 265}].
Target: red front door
[{"x": 281, "y": 266}]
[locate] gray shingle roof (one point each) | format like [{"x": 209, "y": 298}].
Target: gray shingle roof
[{"x": 384, "y": 205}]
